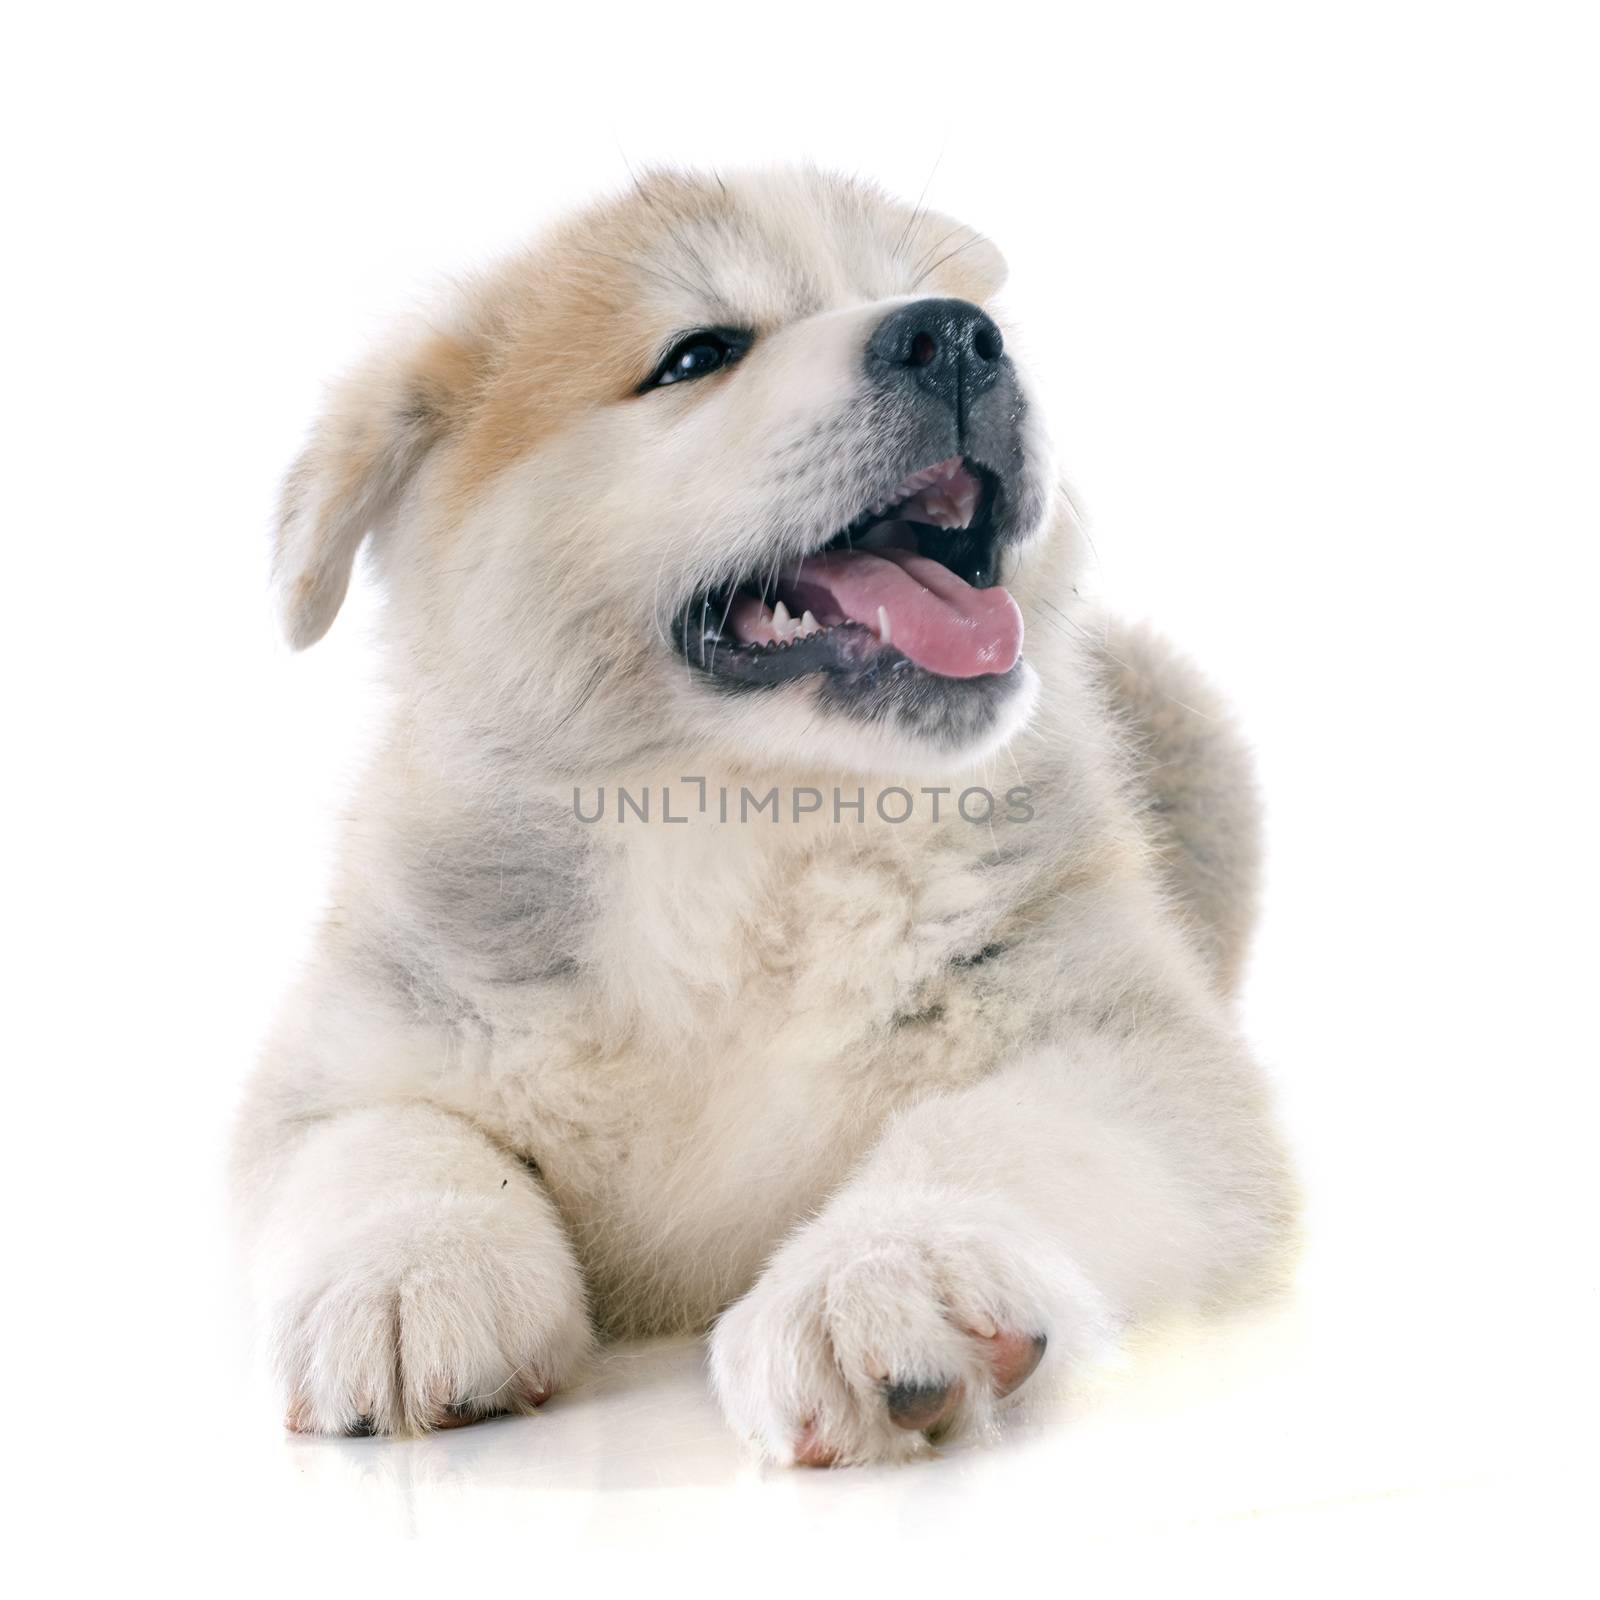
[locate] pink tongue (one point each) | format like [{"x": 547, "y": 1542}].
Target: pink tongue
[{"x": 937, "y": 619}]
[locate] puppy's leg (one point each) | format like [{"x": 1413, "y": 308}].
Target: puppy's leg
[
  {"x": 412, "y": 1274},
  {"x": 1040, "y": 1211}
]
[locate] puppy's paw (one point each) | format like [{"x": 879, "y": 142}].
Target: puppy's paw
[
  {"x": 444, "y": 1309},
  {"x": 897, "y": 1317}
]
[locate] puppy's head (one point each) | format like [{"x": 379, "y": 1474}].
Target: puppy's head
[{"x": 734, "y": 468}]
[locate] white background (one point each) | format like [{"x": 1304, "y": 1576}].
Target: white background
[{"x": 1312, "y": 290}]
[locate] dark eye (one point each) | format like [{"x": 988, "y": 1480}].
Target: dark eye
[{"x": 697, "y": 355}]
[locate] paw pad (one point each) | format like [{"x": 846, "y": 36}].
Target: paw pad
[
  {"x": 1014, "y": 1358},
  {"x": 919, "y": 1406},
  {"x": 810, "y": 1451}
]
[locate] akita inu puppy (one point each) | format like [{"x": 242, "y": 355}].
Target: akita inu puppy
[{"x": 779, "y": 905}]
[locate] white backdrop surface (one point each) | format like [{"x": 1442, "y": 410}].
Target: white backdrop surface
[{"x": 1312, "y": 293}]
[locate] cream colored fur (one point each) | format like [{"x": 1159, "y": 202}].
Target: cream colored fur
[{"x": 862, "y": 1098}]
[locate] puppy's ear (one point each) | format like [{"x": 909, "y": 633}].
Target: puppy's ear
[
  {"x": 380, "y": 423},
  {"x": 959, "y": 259}
]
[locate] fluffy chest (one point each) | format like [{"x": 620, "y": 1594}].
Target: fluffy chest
[
  {"x": 728, "y": 1051},
  {"x": 822, "y": 988}
]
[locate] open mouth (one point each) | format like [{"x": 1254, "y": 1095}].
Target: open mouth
[{"x": 910, "y": 583}]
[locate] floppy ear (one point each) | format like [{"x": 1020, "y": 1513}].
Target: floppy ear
[{"x": 380, "y": 423}]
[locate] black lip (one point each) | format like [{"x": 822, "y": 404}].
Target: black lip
[{"x": 846, "y": 649}]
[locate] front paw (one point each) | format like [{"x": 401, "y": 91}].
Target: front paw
[
  {"x": 897, "y": 1315},
  {"x": 443, "y": 1309}
]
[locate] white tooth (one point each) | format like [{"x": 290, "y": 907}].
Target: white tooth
[
  {"x": 964, "y": 502},
  {"x": 809, "y": 625},
  {"x": 883, "y": 625},
  {"x": 780, "y": 615}
]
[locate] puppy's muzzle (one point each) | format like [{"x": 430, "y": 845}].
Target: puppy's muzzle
[{"x": 947, "y": 350}]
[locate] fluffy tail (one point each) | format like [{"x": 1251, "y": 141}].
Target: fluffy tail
[{"x": 1195, "y": 773}]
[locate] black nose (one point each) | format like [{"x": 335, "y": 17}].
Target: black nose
[{"x": 950, "y": 349}]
